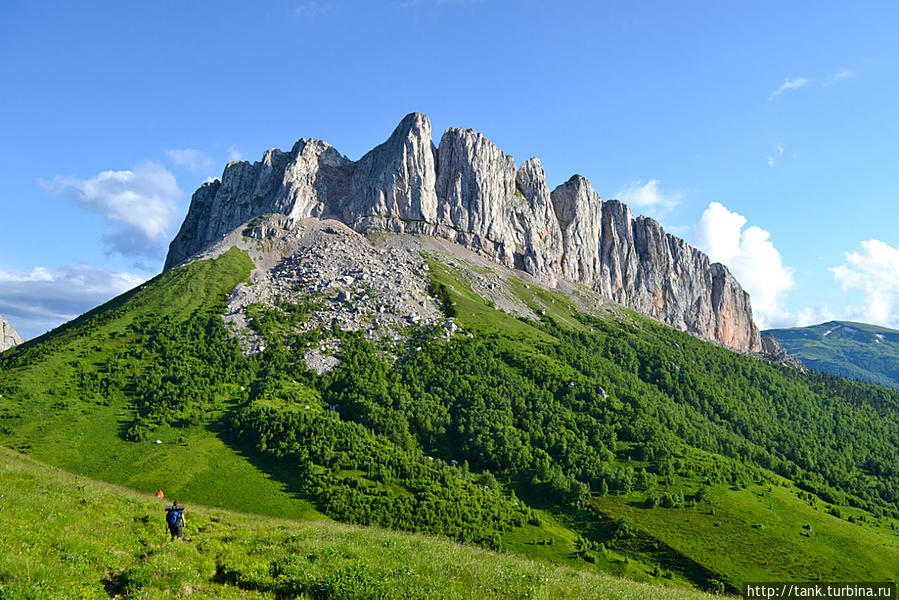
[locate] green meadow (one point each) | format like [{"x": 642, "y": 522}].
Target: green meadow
[{"x": 65, "y": 536}]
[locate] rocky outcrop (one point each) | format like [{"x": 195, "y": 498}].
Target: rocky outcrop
[
  {"x": 578, "y": 210},
  {"x": 468, "y": 191},
  {"x": 294, "y": 183},
  {"x": 8, "y": 336},
  {"x": 772, "y": 349}
]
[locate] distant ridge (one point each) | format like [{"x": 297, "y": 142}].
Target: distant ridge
[
  {"x": 468, "y": 191},
  {"x": 847, "y": 349}
]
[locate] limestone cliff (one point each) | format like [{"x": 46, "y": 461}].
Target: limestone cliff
[
  {"x": 469, "y": 191},
  {"x": 8, "y": 336}
]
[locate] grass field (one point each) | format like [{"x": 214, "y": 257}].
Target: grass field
[
  {"x": 69, "y": 537},
  {"x": 770, "y": 534}
]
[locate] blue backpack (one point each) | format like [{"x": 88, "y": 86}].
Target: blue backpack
[{"x": 173, "y": 515}]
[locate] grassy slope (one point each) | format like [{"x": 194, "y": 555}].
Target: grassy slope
[
  {"x": 82, "y": 435},
  {"x": 66, "y": 536},
  {"x": 479, "y": 317},
  {"x": 693, "y": 538},
  {"x": 761, "y": 529},
  {"x": 193, "y": 463},
  {"x": 854, "y": 350},
  {"x": 197, "y": 463}
]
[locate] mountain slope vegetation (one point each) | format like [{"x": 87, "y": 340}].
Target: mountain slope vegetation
[
  {"x": 613, "y": 444},
  {"x": 847, "y": 349},
  {"x": 115, "y": 544}
]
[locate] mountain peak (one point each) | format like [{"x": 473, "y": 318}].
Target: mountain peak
[
  {"x": 414, "y": 121},
  {"x": 469, "y": 191}
]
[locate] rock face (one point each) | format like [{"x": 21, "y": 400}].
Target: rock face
[
  {"x": 468, "y": 191},
  {"x": 8, "y": 336}
]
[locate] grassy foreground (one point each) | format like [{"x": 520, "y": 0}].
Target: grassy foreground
[{"x": 67, "y": 536}]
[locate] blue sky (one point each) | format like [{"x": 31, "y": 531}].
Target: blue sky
[{"x": 767, "y": 133}]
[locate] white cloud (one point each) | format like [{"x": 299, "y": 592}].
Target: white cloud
[
  {"x": 873, "y": 268},
  {"x": 752, "y": 258},
  {"x": 139, "y": 203},
  {"x": 648, "y": 198},
  {"x": 39, "y": 300},
  {"x": 841, "y": 75},
  {"x": 193, "y": 160},
  {"x": 234, "y": 153},
  {"x": 788, "y": 84},
  {"x": 778, "y": 151},
  {"x": 814, "y": 315},
  {"x": 311, "y": 9}
]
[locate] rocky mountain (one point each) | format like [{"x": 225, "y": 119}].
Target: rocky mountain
[
  {"x": 8, "y": 336},
  {"x": 845, "y": 348},
  {"x": 467, "y": 191}
]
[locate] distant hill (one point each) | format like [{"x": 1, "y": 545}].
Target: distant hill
[{"x": 847, "y": 349}]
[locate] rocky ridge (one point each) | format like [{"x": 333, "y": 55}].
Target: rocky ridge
[
  {"x": 467, "y": 191},
  {"x": 8, "y": 336}
]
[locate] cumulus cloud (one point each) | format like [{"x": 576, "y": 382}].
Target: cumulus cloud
[
  {"x": 752, "y": 258},
  {"x": 39, "y": 300},
  {"x": 788, "y": 84},
  {"x": 873, "y": 268},
  {"x": 139, "y": 204},
  {"x": 190, "y": 159},
  {"x": 647, "y": 198}
]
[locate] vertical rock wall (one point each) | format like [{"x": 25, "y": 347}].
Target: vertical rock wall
[{"x": 469, "y": 191}]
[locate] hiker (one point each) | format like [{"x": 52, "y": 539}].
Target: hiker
[{"x": 174, "y": 517}]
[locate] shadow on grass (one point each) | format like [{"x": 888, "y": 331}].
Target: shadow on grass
[
  {"x": 598, "y": 527},
  {"x": 281, "y": 470}
]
